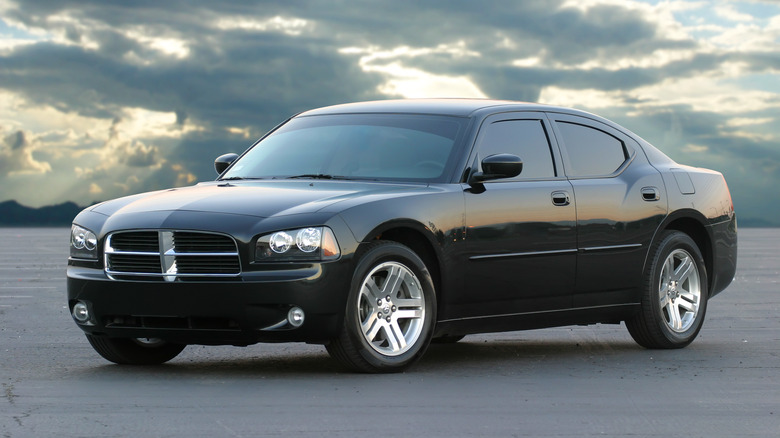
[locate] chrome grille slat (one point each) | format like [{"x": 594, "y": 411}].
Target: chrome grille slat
[
  {"x": 135, "y": 263},
  {"x": 197, "y": 242},
  {"x": 219, "y": 265},
  {"x": 170, "y": 255},
  {"x": 141, "y": 241}
]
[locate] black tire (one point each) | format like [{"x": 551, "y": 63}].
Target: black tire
[
  {"x": 130, "y": 351},
  {"x": 402, "y": 334},
  {"x": 674, "y": 294},
  {"x": 447, "y": 339}
]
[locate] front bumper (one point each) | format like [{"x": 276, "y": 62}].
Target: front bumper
[{"x": 246, "y": 310}]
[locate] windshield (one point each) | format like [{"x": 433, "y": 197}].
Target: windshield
[{"x": 355, "y": 146}]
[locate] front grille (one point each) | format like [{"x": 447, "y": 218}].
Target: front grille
[{"x": 170, "y": 255}]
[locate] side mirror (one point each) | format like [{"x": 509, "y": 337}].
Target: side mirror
[
  {"x": 497, "y": 167},
  {"x": 223, "y": 161}
]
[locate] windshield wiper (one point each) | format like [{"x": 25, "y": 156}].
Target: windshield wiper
[
  {"x": 316, "y": 176},
  {"x": 238, "y": 178}
]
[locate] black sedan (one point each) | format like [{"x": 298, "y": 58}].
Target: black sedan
[{"x": 376, "y": 228}]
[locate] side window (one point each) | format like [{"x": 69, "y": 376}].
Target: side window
[
  {"x": 525, "y": 138},
  {"x": 591, "y": 152}
]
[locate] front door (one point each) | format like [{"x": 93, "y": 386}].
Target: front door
[{"x": 520, "y": 232}]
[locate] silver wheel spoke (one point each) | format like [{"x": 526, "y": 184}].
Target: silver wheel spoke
[
  {"x": 371, "y": 326},
  {"x": 684, "y": 270},
  {"x": 669, "y": 307},
  {"x": 674, "y": 316},
  {"x": 409, "y": 314},
  {"x": 663, "y": 293},
  {"x": 689, "y": 297},
  {"x": 690, "y": 306},
  {"x": 395, "y": 336},
  {"x": 393, "y": 282},
  {"x": 668, "y": 269},
  {"x": 370, "y": 290},
  {"x": 416, "y": 303}
]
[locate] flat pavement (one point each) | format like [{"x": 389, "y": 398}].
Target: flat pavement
[{"x": 562, "y": 382}]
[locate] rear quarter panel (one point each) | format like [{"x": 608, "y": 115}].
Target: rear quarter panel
[{"x": 710, "y": 204}]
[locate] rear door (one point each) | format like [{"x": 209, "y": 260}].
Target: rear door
[{"x": 620, "y": 201}]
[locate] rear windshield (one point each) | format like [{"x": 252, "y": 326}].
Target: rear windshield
[{"x": 399, "y": 147}]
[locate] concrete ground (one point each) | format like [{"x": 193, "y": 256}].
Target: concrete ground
[{"x": 563, "y": 382}]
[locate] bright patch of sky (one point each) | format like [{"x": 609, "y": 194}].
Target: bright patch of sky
[
  {"x": 708, "y": 20},
  {"x": 738, "y": 26},
  {"x": 759, "y": 81},
  {"x": 12, "y": 36}
]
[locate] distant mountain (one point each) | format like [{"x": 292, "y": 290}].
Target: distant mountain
[{"x": 13, "y": 214}]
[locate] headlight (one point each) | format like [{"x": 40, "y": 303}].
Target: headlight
[
  {"x": 83, "y": 243},
  {"x": 304, "y": 244}
]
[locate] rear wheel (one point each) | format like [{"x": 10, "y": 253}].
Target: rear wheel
[
  {"x": 674, "y": 295},
  {"x": 135, "y": 351},
  {"x": 391, "y": 310}
]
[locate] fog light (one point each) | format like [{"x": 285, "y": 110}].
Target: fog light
[
  {"x": 81, "y": 312},
  {"x": 295, "y": 317}
]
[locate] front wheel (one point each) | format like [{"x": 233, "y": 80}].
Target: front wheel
[
  {"x": 135, "y": 351},
  {"x": 390, "y": 313},
  {"x": 674, "y": 294}
]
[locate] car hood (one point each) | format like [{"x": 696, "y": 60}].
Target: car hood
[{"x": 259, "y": 199}]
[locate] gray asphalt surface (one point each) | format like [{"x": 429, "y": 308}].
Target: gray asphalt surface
[{"x": 572, "y": 381}]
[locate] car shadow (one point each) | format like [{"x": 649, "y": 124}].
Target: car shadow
[
  {"x": 487, "y": 356},
  {"x": 523, "y": 353}
]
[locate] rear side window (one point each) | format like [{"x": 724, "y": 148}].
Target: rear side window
[
  {"x": 525, "y": 138},
  {"x": 592, "y": 152}
]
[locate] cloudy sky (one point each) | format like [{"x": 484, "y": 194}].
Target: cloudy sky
[{"x": 101, "y": 99}]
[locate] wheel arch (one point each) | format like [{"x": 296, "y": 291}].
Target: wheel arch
[
  {"x": 692, "y": 223},
  {"x": 419, "y": 239}
]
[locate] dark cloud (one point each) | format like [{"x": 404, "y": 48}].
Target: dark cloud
[
  {"x": 16, "y": 141},
  {"x": 16, "y": 156},
  {"x": 240, "y": 77},
  {"x": 239, "y": 84}
]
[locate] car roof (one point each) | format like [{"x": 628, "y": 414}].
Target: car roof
[{"x": 448, "y": 107}]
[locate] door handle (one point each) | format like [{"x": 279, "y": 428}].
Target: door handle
[
  {"x": 560, "y": 198},
  {"x": 650, "y": 194}
]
